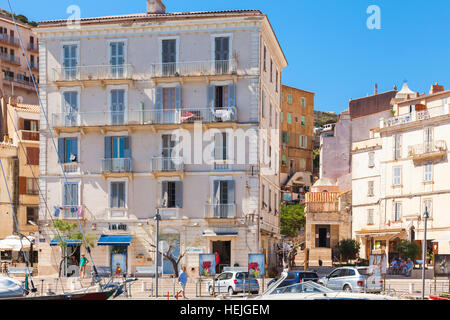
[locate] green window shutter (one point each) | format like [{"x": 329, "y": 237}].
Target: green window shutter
[
  {"x": 283, "y": 160},
  {"x": 289, "y": 118},
  {"x": 303, "y": 121},
  {"x": 281, "y": 117}
]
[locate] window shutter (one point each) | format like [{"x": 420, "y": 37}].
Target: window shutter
[
  {"x": 178, "y": 97},
  {"x": 61, "y": 150},
  {"x": 232, "y": 95},
  {"x": 74, "y": 148},
  {"x": 216, "y": 195},
  {"x": 127, "y": 147},
  {"x": 179, "y": 194},
  {"x": 165, "y": 191},
  {"x": 211, "y": 97},
  {"x": 22, "y": 185},
  {"x": 113, "y": 198},
  {"x": 108, "y": 147},
  {"x": 121, "y": 191},
  {"x": 158, "y": 98},
  {"x": 230, "y": 185}
]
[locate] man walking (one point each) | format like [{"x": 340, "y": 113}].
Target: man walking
[
  {"x": 182, "y": 280},
  {"x": 83, "y": 262}
]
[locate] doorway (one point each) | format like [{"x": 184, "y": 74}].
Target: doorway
[
  {"x": 322, "y": 236},
  {"x": 223, "y": 249},
  {"x": 72, "y": 262}
]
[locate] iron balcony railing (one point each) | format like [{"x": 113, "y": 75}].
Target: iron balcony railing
[
  {"x": 95, "y": 72},
  {"x": 26, "y": 135},
  {"x": 416, "y": 116},
  {"x": 162, "y": 164},
  {"x": 9, "y": 40},
  {"x": 194, "y": 68},
  {"x": 71, "y": 212},
  {"x": 426, "y": 148},
  {"x": 10, "y": 58},
  {"x": 220, "y": 211},
  {"x": 33, "y": 47},
  {"x": 143, "y": 117},
  {"x": 116, "y": 165}
]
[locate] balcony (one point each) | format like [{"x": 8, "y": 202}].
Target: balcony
[
  {"x": 10, "y": 59},
  {"x": 99, "y": 74},
  {"x": 425, "y": 152},
  {"x": 12, "y": 41},
  {"x": 33, "y": 47},
  {"x": 72, "y": 167},
  {"x": 71, "y": 212},
  {"x": 220, "y": 211},
  {"x": 25, "y": 135},
  {"x": 167, "y": 167},
  {"x": 118, "y": 167},
  {"x": 142, "y": 117},
  {"x": 194, "y": 68},
  {"x": 415, "y": 116},
  {"x": 34, "y": 67}
]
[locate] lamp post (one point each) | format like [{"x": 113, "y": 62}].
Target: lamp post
[
  {"x": 157, "y": 218},
  {"x": 424, "y": 250}
]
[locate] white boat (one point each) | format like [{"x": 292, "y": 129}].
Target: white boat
[
  {"x": 10, "y": 288},
  {"x": 312, "y": 291}
]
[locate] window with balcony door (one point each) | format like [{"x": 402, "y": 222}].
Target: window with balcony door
[
  {"x": 428, "y": 140},
  {"x": 172, "y": 194},
  {"x": 67, "y": 150},
  {"x": 397, "y": 181},
  {"x": 117, "y": 106},
  {"x": 117, "y": 154},
  {"x": 265, "y": 59},
  {"x": 303, "y": 102},
  {"x": 70, "y": 61},
  {"x": 167, "y": 105},
  {"x": 428, "y": 172},
  {"x": 70, "y": 108},
  {"x": 222, "y": 55},
  {"x": 117, "y": 59},
  {"x": 285, "y": 137},
  {"x": 397, "y": 211},
  {"x": 220, "y": 150},
  {"x": 397, "y": 146},
  {"x": 370, "y": 218},
  {"x": 70, "y": 196},
  {"x": 223, "y": 198},
  {"x": 169, "y": 57}
]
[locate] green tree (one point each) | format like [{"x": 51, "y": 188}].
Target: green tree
[
  {"x": 292, "y": 218},
  {"x": 409, "y": 249},
  {"x": 348, "y": 248}
]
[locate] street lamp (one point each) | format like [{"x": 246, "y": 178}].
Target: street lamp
[
  {"x": 424, "y": 250},
  {"x": 157, "y": 218}
]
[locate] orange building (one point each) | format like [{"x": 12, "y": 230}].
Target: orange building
[{"x": 297, "y": 134}]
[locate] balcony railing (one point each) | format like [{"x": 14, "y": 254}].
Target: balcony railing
[
  {"x": 98, "y": 72},
  {"x": 143, "y": 117},
  {"x": 33, "y": 47},
  {"x": 71, "y": 212},
  {"x": 9, "y": 40},
  {"x": 29, "y": 135},
  {"x": 194, "y": 68},
  {"x": 11, "y": 59},
  {"x": 34, "y": 66},
  {"x": 416, "y": 116},
  {"x": 220, "y": 211},
  {"x": 427, "y": 148},
  {"x": 167, "y": 164},
  {"x": 117, "y": 165},
  {"x": 71, "y": 167}
]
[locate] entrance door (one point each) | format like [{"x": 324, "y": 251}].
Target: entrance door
[
  {"x": 117, "y": 60},
  {"x": 119, "y": 256},
  {"x": 222, "y": 53},
  {"x": 71, "y": 264},
  {"x": 223, "y": 248},
  {"x": 118, "y": 107},
  {"x": 168, "y": 146},
  {"x": 169, "y": 57},
  {"x": 322, "y": 236}
]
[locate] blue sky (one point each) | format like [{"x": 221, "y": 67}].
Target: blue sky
[{"x": 328, "y": 46}]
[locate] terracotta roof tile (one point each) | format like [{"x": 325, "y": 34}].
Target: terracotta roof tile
[{"x": 34, "y": 108}]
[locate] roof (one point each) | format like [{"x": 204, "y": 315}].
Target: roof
[
  {"x": 34, "y": 108},
  {"x": 372, "y": 104},
  {"x": 405, "y": 92},
  {"x": 154, "y": 17},
  {"x": 322, "y": 196}
]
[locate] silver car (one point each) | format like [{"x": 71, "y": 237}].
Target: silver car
[
  {"x": 352, "y": 279},
  {"x": 232, "y": 282}
]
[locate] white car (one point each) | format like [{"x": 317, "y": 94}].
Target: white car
[{"x": 231, "y": 282}]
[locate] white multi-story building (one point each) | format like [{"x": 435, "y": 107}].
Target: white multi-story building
[
  {"x": 404, "y": 168},
  {"x": 116, "y": 90}
]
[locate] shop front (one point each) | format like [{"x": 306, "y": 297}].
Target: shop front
[
  {"x": 118, "y": 252},
  {"x": 70, "y": 256}
]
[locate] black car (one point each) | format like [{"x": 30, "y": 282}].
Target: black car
[{"x": 294, "y": 277}]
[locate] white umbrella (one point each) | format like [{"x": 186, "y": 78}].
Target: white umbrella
[{"x": 13, "y": 243}]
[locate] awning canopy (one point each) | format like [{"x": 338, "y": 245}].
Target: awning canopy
[
  {"x": 220, "y": 233},
  {"x": 13, "y": 243},
  {"x": 69, "y": 243},
  {"x": 116, "y": 240}
]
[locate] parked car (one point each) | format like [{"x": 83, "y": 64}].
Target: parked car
[
  {"x": 232, "y": 282},
  {"x": 352, "y": 279},
  {"x": 294, "y": 277}
]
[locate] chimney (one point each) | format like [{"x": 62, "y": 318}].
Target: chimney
[
  {"x": 436, "y": 88},
  {"x": 376, "y": 88},
  {"x": 155, "y": 7}
]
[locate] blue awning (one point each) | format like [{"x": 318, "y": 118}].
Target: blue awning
[
  {"x": 69, "y": 243},
  {"x": 114, "y": 240}
]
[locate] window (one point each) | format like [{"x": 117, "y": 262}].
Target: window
[
  {"x": 270, "y": 115},
  {"x": 117, "y": 59},
  {"x": 31, "y": 125},
  {"x": 270, "y": 200},
  {"x": 428, "y": 173},
  {"x": 32, "y": 215},
  {"x": 303, "y": 163},
  {"x": 303, "y": 141},
  {"x": 303, "y": 121},
  {"x": 275, "y": 204},
  {"x": 271, "y": 71},
  {"x": 33, "y": 156},
  {"x": 118, "y": 195},
  {"x": 220, "y": 146},
  {"x": 70, "y": 61},
  {"x": 265, "y": 59},
  {"x": 276, "y": 81},
  {"x": 371, "y": 159},
  {"x": 68, "y": 150},
  {"x": 370, "y": 219},
  {"x": 169, "y": 56},
  {"x": 397, "y": 211},
  {"x": 283, "y": 160},
  {"x": 289, "y": 98},
  {"x": 428, "y": 139},
  {"x": 285, "y": 137},
  {"x": 263, "y": 198},
  {"x": 70, "y": 108},
  {"x": 281, "y": 117},
  {"x": 32, "y": 186},
  {"x": 117, "y": 106},
  {"x": 303, "y": 102},
  {"x": 263, "y": 104},
  {"x": 219, "y": 97},
  {"x": 397, "y": 176},
  {"x": 117, "y": 154},
  {"x": 370, "y": 188},
  {"x": 222, "y": 54},
  {"x": 397, "y": 146},
  {"x": 428, "y": 206},
  {"x": 172, "y": 193},
  {"x": 168, "y": 98},
  {"x": 289, "y": 118},
  {"x": 70, "y": 197}
]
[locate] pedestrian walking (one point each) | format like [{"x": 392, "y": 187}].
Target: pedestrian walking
[
  {"x": 83, "y": 262},
  {"x": 182, "y": 280}
]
